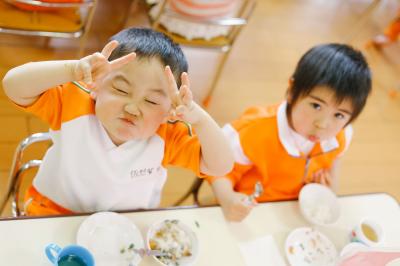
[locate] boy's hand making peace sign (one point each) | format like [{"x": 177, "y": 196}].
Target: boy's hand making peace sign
[
  {"x": 93, "y": 68},
  {"x": 182, "y": 105}
]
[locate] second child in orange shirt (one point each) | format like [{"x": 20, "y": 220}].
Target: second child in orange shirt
[{"x": 300, "y": 140}]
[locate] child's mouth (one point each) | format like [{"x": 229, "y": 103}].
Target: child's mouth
[
  {"x": 128, "y": 121},
  {"x": 313, "y": 138}
]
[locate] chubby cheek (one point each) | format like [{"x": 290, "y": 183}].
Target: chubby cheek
[
  {"x": 107, "y": 111},
  {"x": 302, "y": 122},
  {"x": 335, "y": 129},
  {"x": 152, "y": 120}
]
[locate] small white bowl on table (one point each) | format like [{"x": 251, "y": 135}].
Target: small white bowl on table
[{"x": 319, "y": 204}]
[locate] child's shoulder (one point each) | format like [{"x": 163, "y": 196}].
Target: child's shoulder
[
  {"x": 172, "y": 129},
  {"x": 257, "y": 112},
  {"x": 257, "y": 118}
]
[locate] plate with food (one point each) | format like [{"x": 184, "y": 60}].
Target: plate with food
[
  {"x": 111, "y": 238},
  {"x": 306, "y": 246},
  {"x": 174, "y": 238}
]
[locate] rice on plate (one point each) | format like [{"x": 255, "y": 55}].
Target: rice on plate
[{"x": 174, "y": 238}]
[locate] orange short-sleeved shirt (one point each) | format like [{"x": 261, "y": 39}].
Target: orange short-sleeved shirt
[
  {"x": 84, "y": 171},
  {"x": 264, "y": 152}
]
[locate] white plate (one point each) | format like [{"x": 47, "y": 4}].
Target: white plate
[
  {"x": 306, "y": 246},
  {"x": 108, "y": 236},
  {"x": 184, "y": 261}
]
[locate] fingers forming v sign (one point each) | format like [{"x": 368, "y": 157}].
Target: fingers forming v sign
[
  {"x": 173, "y": 91},
  {"x": 119, "y": 62},
  {"x": 181, "y": 100},
  {"x": 96, "y": 66}
]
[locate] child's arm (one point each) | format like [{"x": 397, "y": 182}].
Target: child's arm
[
  {"x": 216, "y": 154},
  {"x": 25, "y": 83},
  {"x": 235, "y": 205}
]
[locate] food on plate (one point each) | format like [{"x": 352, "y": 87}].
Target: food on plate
[
  {"x": 172, "y": 239},
  {"x": 320, "y": 213}
]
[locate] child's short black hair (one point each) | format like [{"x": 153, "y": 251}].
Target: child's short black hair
[
  {"x": 338, "y": 67},
  {"x": 147, "y": 43}
]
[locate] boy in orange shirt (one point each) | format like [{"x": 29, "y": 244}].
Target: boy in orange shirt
[
  {"x": 300, "y": 140},
  {"x": 111, "y": 137}
]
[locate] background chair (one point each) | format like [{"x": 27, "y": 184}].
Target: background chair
[
  {"x": 18, "y": 171},
  {"x": 220, "y": 43},
  {"x": 70, "y": 19}
]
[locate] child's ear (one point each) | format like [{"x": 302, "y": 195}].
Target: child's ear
[
  {"x": 289, "y": 90},
  {"x": 290, "y": 82}
]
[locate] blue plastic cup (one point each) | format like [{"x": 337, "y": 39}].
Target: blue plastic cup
[{"x": 72, "y": 255}]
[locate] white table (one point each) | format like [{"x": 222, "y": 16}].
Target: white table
[
  {"x": 23, "y": 240},
  {"x": 280, "y": 218}
]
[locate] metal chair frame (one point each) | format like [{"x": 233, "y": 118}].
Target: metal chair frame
[
  {"x": 82, "y": 33},
  {"x": 17, "y": 171},
  {"x": 236, "y": 24}
]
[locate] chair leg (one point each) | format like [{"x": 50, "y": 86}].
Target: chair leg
[
  {"x": 194, "y": 189},
  {"x": 87, "y": 27},
  {"x": 46, "y": 42},
  {"x": 82, "y": 43},
  {"x": 220, "y": 67},
  {"x": 15, "y": 193}
]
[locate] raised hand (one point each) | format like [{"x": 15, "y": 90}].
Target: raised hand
[
  {"x": 93, "y": 68},
  {"x": 182, "y": 105}
]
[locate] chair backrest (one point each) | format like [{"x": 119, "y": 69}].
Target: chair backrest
[
  {"x": 218, "y": 32},
  {"x": 17, "y": 171},
  {"x": 160, "y": 15},
  {"x": 64, "y": 19}
]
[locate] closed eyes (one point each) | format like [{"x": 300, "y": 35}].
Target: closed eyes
[
  {"x": 120, "y": 91},
  {"x": 151, "y": 102}
]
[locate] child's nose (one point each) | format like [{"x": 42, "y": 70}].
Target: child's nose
[
  {"x": 132, "y": 109},
  {"x": 321, "y": 123}
]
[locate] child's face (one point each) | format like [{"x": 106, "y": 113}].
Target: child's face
[
  {"x": 133, "y": 101},
  {"x": 317, "y": 116}
]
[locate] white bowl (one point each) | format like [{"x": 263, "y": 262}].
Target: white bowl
[
  {"x": 189, "y": 260},
  {"x": 318, "y": 204}
]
